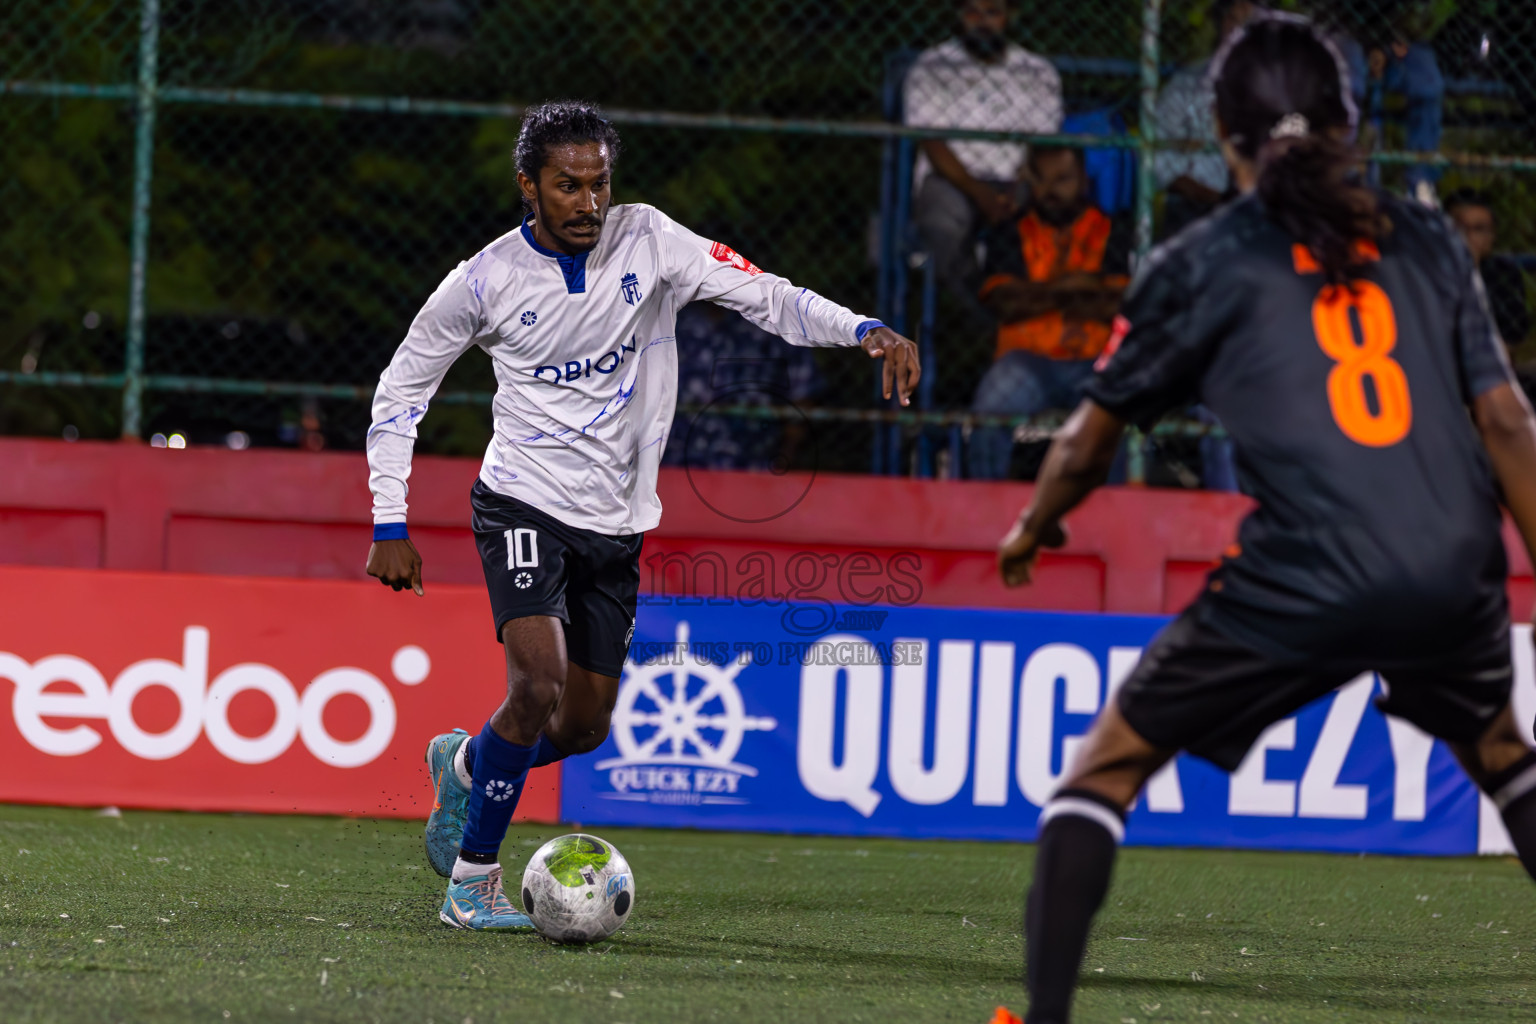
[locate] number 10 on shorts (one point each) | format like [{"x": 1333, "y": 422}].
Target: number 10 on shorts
[{"x": 522, "y": 548}]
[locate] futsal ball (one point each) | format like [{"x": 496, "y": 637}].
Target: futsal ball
[{"x": 578, "y": 888}]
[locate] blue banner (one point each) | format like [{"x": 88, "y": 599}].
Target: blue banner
[{"x": 957, "y": 723}]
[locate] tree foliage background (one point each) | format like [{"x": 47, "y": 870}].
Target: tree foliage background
[{"x": 296, "y": 243}]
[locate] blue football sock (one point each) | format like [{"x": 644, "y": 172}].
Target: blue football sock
[
  {"x": 499, "y": 771},
  {"x": 545, "y": 752}
]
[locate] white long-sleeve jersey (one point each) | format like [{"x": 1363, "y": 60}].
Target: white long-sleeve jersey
[{"x": 585, "y": 360}]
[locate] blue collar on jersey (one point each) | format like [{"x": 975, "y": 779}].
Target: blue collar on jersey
[{"x": 574, "y": 267}]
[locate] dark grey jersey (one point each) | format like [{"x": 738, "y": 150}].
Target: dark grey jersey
[{"x": 1377, "y": 534}]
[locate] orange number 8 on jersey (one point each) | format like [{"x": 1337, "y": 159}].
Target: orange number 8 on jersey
[{"x": 1389, "y": 423}]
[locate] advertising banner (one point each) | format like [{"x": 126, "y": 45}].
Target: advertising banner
[
  {"x": 911, "y": 721},
  {"x": 248, "y": 694},
  {"x": 239, "y": 694}
]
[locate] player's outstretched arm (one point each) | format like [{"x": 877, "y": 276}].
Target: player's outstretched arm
[
  {"x": 700, "y": 269},
  {"x": 1504, "y": 419},
  {"x": 1079, "y": 460}
]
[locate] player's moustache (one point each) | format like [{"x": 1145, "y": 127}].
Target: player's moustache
[{"x": 584, "y": 222}]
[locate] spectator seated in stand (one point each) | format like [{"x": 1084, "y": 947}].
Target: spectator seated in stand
[
  {"x": 723, "y": 360},
  {"x": 1502, "y": 280},
  {"x": 977, "y": 80},
  {"x": 1406, "y": 65},
  {"x": 1195, "y": 182},
  {"x": 1054, "y": 280}
]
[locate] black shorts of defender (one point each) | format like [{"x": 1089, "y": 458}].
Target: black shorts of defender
[
  {"x": 1197, "y": 690},
  {"x": 536, "y": 565}
]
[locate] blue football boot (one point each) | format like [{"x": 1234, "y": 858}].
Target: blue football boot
[
  {"x": 480, "y": 903},
  {"x": 450, "y": 802}
]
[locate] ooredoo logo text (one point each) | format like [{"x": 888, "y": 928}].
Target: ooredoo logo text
[{"x": 203, "y": 706}]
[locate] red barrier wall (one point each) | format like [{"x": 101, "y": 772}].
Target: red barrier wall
[
  {"x": 154, "y": 515},
  {"x": 223, "y": 694},
  {"x": 283, "y": 513}
]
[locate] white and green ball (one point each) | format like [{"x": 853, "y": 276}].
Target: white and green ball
[{"x": 578, "y": 888}]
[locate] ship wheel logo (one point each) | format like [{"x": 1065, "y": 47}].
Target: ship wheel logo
[{"x": 683, "y": 710}]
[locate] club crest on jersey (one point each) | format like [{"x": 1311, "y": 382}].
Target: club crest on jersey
[
  {"x": 629, "y": 284},
  {"x": 529, "y": 318},
  {"x": 725, "y": 254}
]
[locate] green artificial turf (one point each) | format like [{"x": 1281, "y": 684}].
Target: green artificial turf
[{"x": 181, "y": 917}]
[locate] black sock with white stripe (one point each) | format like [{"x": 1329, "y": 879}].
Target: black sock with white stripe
[
  {"x": 1079, "y": 833},
  {"x": 1513, "y": 791}
]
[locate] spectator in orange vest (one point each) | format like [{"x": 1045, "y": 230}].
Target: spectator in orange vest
[{"x": 1054, "y": 279}]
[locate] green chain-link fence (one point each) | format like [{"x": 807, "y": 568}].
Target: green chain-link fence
[{"x": 217, "y": 217}]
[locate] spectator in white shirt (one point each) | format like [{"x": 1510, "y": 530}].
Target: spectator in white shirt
[
  {"x": 977, "y": 80},
  {"x": 1196, "y": 182}
]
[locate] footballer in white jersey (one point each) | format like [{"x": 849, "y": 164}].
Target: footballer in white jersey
[{"x": 577, "y": 308}]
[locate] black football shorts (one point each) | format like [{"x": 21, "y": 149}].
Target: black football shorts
[
  {"x": 536, "y": 565},
  {"x": 1197, "y": 690}
]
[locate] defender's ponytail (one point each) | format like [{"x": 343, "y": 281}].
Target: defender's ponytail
[{"x": 1283, "y": 99}]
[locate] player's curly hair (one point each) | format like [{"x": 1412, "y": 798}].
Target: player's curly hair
[
  {"x": 1284, "y": 102},
  {"x": 560, "y": 123}
]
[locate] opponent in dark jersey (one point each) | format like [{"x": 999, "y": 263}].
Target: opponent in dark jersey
[
  {"x": 1344, "y": 341},
  {"x": 1378, "y": 523}
]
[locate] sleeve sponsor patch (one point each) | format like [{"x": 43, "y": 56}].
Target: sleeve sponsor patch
[
  {"x": 1117, "y": 333},
  {"x": 725, "y": 254}
]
